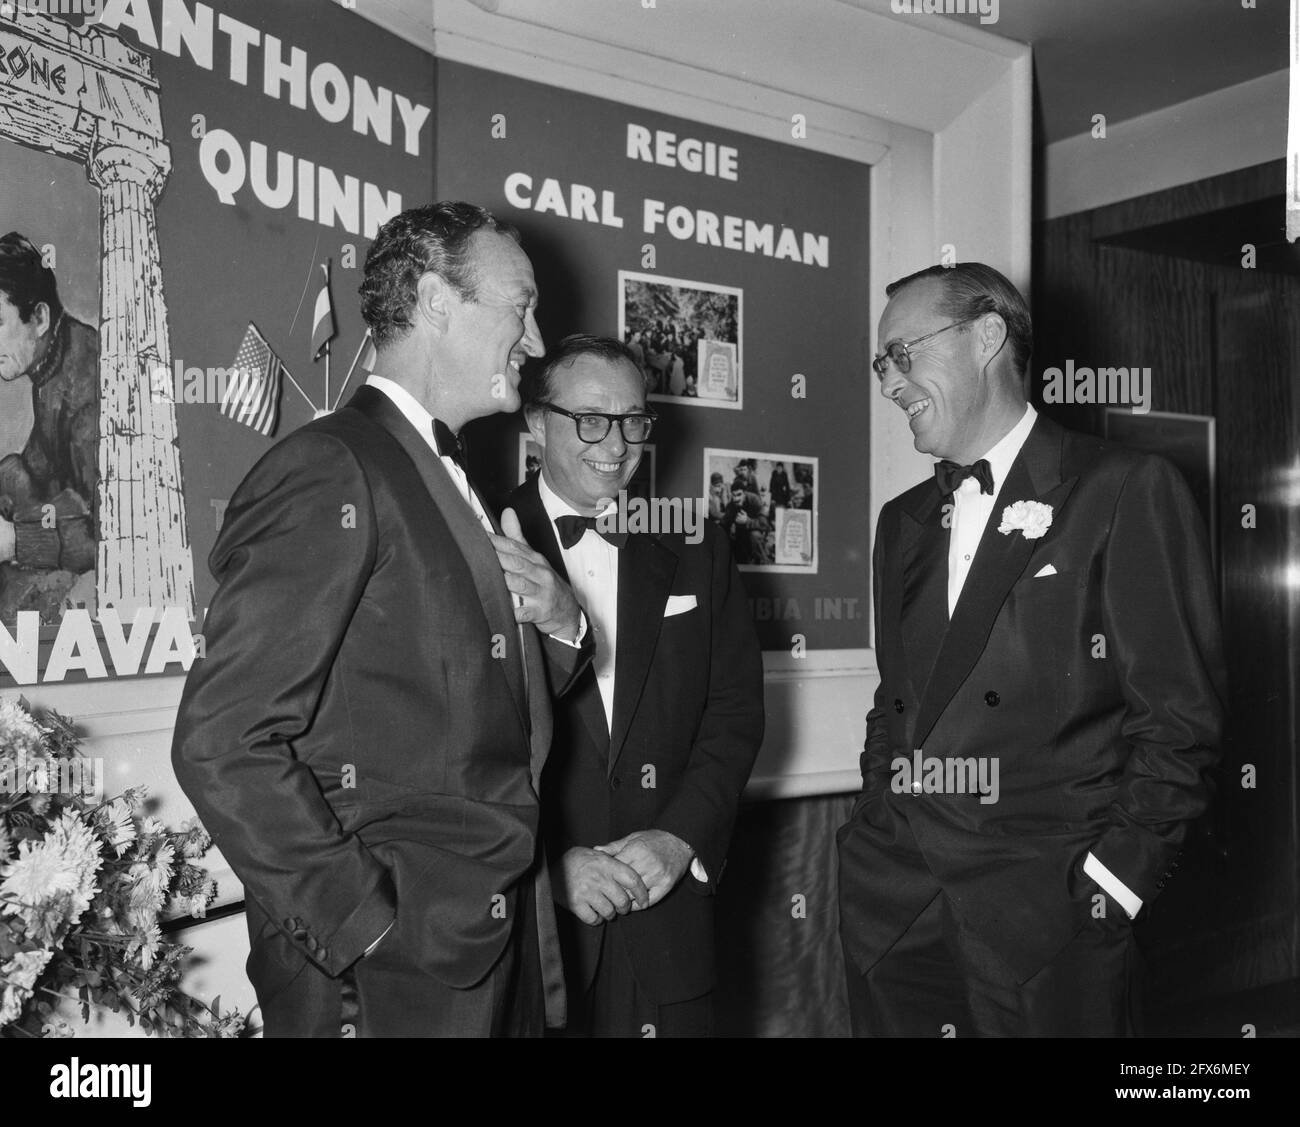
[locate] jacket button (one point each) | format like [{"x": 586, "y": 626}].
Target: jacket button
[
  {"x": 302, "y": 936},
  {"x": 991, "y": 699},
  {"x": 290, "y": 923},
  {"x": 323, "y": 954},
  {"x": 898, "y": 706}
]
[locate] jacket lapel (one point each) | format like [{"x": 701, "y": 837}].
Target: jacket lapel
[
  {"x": 645, "y": 578},
  {"x": 923, "y": 607},
  {"x": 465, "y": 530},
  {"x": 540, "y": 534},
  {"x": 1035, "y": 475}
]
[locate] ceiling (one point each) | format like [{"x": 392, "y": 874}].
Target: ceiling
[{"x": 1123, "y": 58}]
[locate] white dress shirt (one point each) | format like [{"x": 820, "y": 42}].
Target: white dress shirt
[
  {"x": 419, "y": 418},
  {"x": 971, "y": 508},
  {"x": 970, "y": 515},
  {"x": 592, "y": 564}
]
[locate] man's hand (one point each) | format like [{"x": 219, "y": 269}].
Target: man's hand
[
  {"x": 658, "y": 857},
  {"x": 595, "y": 886},
  {"x": 8, "y": 540},
  {"x": 548, "y": 601}
]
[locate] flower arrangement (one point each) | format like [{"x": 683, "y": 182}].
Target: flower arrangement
[{"x": 83, "y": 882}]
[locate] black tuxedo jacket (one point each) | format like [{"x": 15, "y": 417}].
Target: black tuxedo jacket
[
  {"x": 1098, "y": 690},
  {"x": 688, "y": 721},
  {"x": 362, "y": 740}
]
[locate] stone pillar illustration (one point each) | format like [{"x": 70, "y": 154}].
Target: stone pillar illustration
[
  {"x": 104, "y": 112},
  {"x": 144, "y": 552}
]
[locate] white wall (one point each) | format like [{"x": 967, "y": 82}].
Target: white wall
[{"x": 1229, "y": 129}]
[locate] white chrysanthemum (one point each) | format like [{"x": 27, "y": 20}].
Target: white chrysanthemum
[
  {"x": 52, "y": 882},
  {"x": 57, "y": 1028},
  {"x": 197, "y": 839},
  {"x": 145, "y": 944},
  {"x": 150, "y": 880},
  {"x": 117, "y": 823},
  {"x": 17, "y": 977},
  {"x": 18, "y": 731}
]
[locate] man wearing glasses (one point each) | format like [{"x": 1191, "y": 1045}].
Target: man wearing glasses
[
  {"x": 654, "y": 744},
  {"x": 1045, "y": 621}
]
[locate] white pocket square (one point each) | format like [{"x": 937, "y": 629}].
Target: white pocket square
[
  {"x": 679, "y": 604},
  {"x": 1047, "y": 569}
]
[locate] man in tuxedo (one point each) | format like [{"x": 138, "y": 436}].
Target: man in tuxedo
[
  {"x": 1051, "y": 679},
  {"x": 655, "y": 743},
  {"x": 365, "y": 736}
]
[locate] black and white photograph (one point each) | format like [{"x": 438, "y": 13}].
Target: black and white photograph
[
  {"x": 767, "y": 506},
  {"x": 686, "y": 337},
  {"x": 338, "y": 702}
]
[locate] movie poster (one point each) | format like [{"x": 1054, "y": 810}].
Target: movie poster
[{"x": 189, "y": 193}]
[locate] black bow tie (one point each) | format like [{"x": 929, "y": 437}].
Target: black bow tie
[
  {"x": 573, "y": 528},
  {"x": 448, "y": 444},
  {"x": 949, "y": 475}
]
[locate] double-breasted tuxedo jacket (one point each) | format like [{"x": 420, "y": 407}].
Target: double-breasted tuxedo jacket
[
  {"x": 687, "y": 724},
  {"x": 365, "y": 736},
  {"x": 1097, "y": 689}
]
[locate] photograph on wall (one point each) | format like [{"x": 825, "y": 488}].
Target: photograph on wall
[
  {"x": 767, "y": 506},
  {"x": 686, "y": 338},
  {"x": 642, "y": 484}
]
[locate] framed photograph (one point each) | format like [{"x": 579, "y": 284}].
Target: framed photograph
[
  {"x": 767, "y": 506},
  {"x": 686, "y": 336},
  {"x": 1186, "y": 440},
  {"x": 642, "y": 483}
]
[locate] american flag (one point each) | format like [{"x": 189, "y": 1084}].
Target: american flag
[
  {"x": 369, "y": 357},
  {"x": 323, "y": 328},
  {"x": 253, "y": 389}
]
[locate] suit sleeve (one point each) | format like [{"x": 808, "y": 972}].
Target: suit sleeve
[
  {"x": 875, "y": 758},
  {"x": 1160, "y": 618},
  {"x": 564, "y": 663},
  {"x": 703, "y": 811},
  {"x": 292, "y": 561}
]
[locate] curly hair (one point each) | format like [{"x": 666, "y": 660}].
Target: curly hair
[{"x": 434, "y": 238}]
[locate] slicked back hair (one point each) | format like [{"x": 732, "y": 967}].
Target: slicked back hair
[
  {"x": 537, "y": 385},
  {"x": 434, "y": 238},
  {"x": 971, "y": 289},
  {"x": 25, "y": 279}
]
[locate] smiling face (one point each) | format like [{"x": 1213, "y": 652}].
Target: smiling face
[
  {"x": 487, "y": 340},
  {"x": 21, "y": 342},
  {"x": 586, "y": 474},
  {"x": 945, "y": 393}
]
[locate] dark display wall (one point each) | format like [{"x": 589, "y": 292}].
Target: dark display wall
[{"x": 557, "y": 165}]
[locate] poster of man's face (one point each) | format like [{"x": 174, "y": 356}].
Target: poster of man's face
[
  {"x": 767, "y": 506},
  {"x": 685, "y": 337},
  {"x": 49, "y": 388}
]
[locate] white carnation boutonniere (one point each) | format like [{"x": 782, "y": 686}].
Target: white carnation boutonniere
[{"x": 1032, "y": 518}]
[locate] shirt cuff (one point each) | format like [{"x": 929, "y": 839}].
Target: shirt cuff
[
  {"x": 378, "y": 941},
  {"x": 1119, "y": 891},
  {"x": 582, "y": 632},
  {"x": 698, "y": 871}
]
